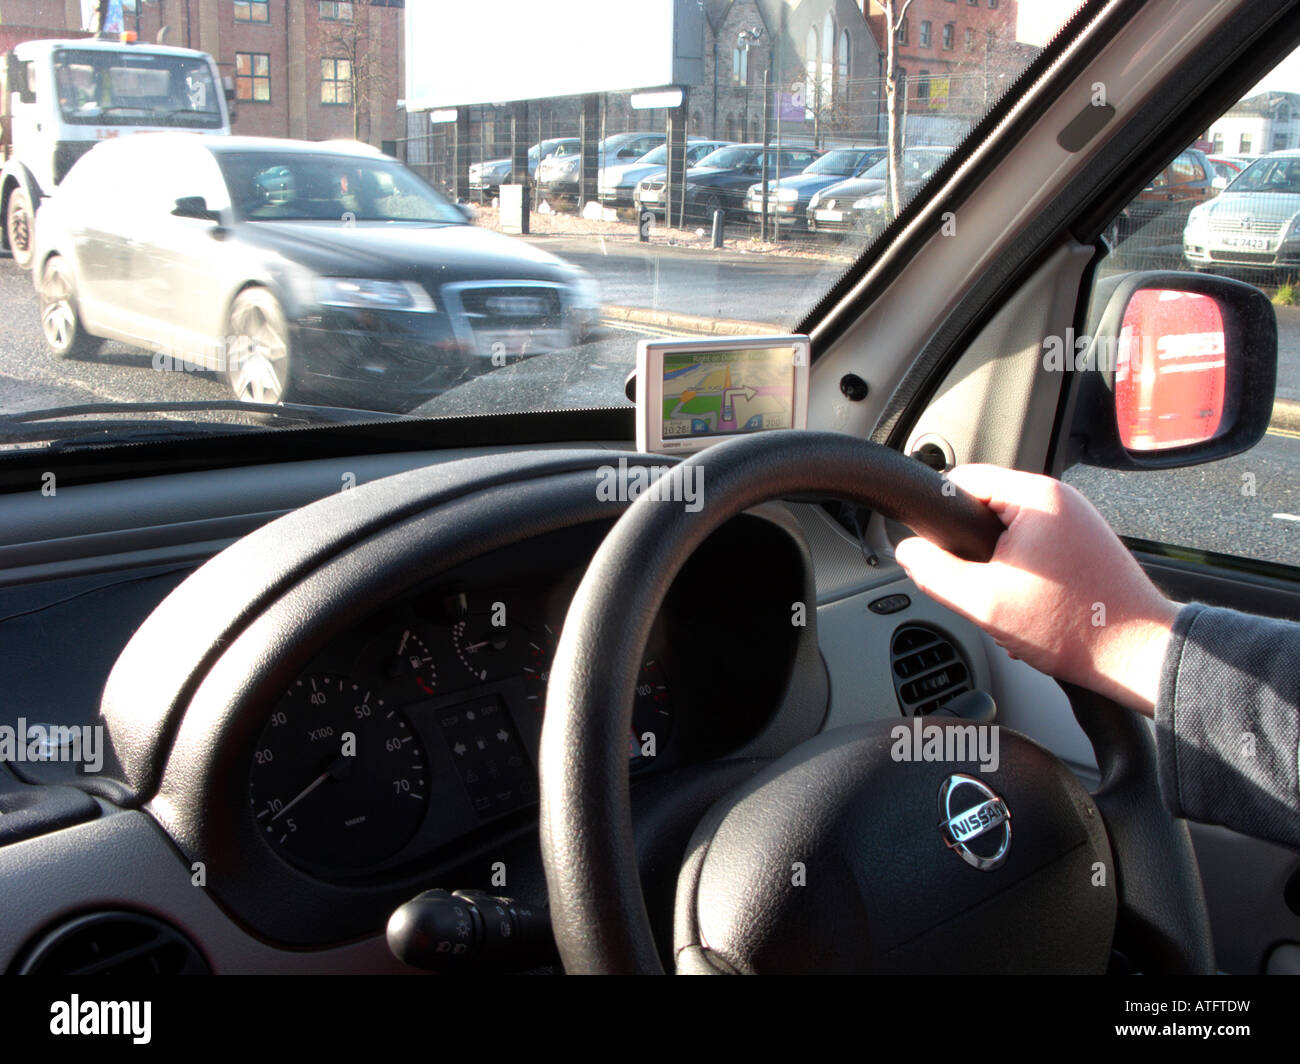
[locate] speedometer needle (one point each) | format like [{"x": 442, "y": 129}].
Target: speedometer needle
[
  {"x": 335, "y": 771},
  {"x": 306, "y": 791}
]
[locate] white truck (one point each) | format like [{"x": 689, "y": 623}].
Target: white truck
[{"x": 61, "y": 97}]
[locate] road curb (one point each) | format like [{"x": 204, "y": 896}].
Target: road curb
[
  {"x": 694, "y": 324},
  {"x": 1286, "y": 414}
]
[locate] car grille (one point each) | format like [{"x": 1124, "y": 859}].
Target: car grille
[
  {"x": 523, "y": 318},
  {"x": 652, "y": 185},
  {"x": 1245, "y": 258},
  {"x": 1257, "y": 227}
]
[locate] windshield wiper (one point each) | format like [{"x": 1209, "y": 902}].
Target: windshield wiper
[{"x": 106, "y": 426}]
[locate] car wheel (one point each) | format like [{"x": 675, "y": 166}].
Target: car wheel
[
  {"x": 60, "y": 323},
  {"x": 20, "y": 225},
  {"x": 257, "y": 363}
]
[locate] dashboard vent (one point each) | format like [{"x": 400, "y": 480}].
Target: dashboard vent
[
  {"x": 114, "y": 943},
  {"x": 928, "y": 669}
]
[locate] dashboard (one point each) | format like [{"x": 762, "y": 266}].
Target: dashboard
[{"x": 223, "y": 725}]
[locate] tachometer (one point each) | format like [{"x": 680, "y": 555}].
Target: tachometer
[{"x": 339, "y": 779}]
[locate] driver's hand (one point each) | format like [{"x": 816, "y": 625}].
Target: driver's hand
[{"x": 1061, "y": 592}]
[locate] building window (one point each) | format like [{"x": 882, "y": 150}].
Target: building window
[
  {"x": 252, "y": 11},
  {"x": 335, "y": 81},
  {"x": 1218, "y": 144},
  {"x": 1279, "y": 142},
  {"x": 1243, "y": 145},
  {"x": 844, "y": 59},
  {"x": 902, "y": 32},
  {"x": 972, "y": 3},
  {"x": 948, "y": 32},
  {"x": 970, "y": 39},
  {"x": 926, "y": 39},
  {"x": 993, "y": 4},
  {"x": 253, "y": 77},
  {"x": 335, "y": 11},
  {"x": 923, "y": 86},
  {"x": 740, "y": 66}
]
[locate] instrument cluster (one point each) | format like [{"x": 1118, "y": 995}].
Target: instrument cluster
[{"x": 422, "y": 725}]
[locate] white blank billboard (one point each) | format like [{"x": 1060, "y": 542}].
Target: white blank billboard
[{"x": 460, "y": 53}]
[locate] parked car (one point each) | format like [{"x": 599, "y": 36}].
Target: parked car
[
  {"x": 488, "y": 177},
  {"x": 296, "y": 269},
  {"x": 617, "y": 183},
  {"x": 859, "y": 203},
  {"x": 720, "y": 180},
  {"x": 1252, "y": 223},
  {"x": 1227, "y": 167},
  {"x": 1147, "y": 234},
  {"x": 789, "y": 196},
  {"x": 557, "y": 178}
]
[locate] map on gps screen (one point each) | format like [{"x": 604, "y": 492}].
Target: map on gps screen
[{"x": 712, "y": 393}]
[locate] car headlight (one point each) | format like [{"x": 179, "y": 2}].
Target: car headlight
[
  {"x": 870, "y": 203},
  {"x": 586, "y": 292},
  {"x": 367, "y": 294},
  {"x": 787, "y": 195}
]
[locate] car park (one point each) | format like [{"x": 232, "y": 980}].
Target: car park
[
  {"x": 487, "y": 177},
  {"x": 557, "y": 178},
  {"x": 720, "y": 180},
  {"x": 487, "y": 688},
  {"x": 789, "y": 196},
  {"x": 859, "y": 203},
  {"x": 1148, "y": 232},
  {"x": 324, "y": 271},
  {"x": 616, "y": 184}
]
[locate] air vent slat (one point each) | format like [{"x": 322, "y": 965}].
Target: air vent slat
[
  {"x": 113, "y": 943},
  {"x": 929, "y": 670}
]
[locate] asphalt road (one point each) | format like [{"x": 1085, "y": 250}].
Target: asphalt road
[{"x": 1202, "y": 507}]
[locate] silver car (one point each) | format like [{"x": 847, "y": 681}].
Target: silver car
[{"x": 1254, "y": 223}]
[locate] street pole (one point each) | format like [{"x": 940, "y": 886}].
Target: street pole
[
  {"x": 762, "y": 225},
  {"x": 776, "y": 215}
]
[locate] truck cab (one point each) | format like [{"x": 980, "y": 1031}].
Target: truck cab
[{"x": 61, "y": 97}]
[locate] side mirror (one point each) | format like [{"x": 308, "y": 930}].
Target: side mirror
[
  {"x": 195, "y": 207},
  {"x": 1176, "y": 369},
  {"x": 228, "y": 85},
  {"x": 16, "y": 79}
]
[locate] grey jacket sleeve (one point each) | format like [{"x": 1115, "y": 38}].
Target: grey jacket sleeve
[{"x": 1228, "y": 722}]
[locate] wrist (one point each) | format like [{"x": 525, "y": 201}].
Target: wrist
[{"x": 1132, "y": 658}]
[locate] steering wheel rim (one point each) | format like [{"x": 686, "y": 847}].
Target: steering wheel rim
[{"x": 598, "y": 911}]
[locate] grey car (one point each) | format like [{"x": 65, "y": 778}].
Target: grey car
[{"x": 1254, "y": 223}]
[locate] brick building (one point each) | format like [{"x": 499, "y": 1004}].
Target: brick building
[
  {"x": 310, "y": 69},
  {"x": 958, "y": 55}
]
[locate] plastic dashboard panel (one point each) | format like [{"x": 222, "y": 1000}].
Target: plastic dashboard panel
[{"x": 181, "y": 512}]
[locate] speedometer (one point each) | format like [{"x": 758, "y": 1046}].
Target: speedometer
[{"x": 339, "y": 779}]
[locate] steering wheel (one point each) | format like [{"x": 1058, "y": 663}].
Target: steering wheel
[{"x": 842, "y": 856}]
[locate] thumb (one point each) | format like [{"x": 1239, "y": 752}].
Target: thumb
[{"x": 932, "y": 568}]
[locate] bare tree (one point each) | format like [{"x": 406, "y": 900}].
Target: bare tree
[
  {"x": 352, "y": 68},
  {"x": 894, "y": 102}
]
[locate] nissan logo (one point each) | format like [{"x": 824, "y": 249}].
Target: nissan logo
[
  {"x": 974, "y": 822},
  {"x": 1245, "y": 222}
]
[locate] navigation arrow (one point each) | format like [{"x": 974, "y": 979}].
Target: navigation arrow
[{"x": 728, "y": 393}]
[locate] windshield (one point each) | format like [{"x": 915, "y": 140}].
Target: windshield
[
  {"x": 362, "y": 243},
  {"x": 836, "y": 162},
  {"x": 729, "y": 158},
  {"x": 135, "y": 88},
  {"x": 1270, "y": 175},
  {"x": 267, "y": 186}
]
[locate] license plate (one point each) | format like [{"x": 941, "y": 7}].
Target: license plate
[
  {"x": 651, "y": 197},
  {"x": 829, "y": 216},
  {"x": 1257, "y": 243}
]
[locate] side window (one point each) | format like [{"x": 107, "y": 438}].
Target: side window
[{"x": 1248, "y": 505}]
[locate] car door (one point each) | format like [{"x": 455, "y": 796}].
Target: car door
[{"x": 175, "y": 274}]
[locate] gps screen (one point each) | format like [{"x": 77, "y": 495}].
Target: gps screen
[{"x": 722, "y": 393}]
